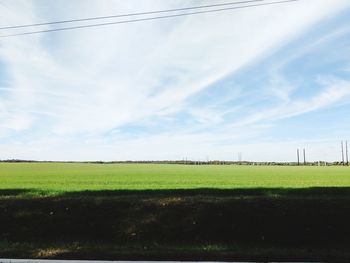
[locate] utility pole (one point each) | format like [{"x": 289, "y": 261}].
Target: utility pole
[
  {"x": 342, "y": 152},
  {"x": 298, "y": 157},
  {"x": 347, "y": 153},
  {"x": 304, "y": 154}
]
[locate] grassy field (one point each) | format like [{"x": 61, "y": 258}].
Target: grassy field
[
  {"x": 174, "y": 212},
  {"x": 56, "y": 178}
]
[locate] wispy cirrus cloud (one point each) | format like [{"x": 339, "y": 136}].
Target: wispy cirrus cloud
[
  {"x": 335, "y": 92},
  {"x": 89, "y": 83}
]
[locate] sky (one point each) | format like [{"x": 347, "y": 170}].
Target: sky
[{"x": 261, "y": 81}]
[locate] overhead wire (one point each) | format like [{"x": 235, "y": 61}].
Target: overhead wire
[
  {"x": 127, "y": 15},
  {"x": 145, "y": 19}
]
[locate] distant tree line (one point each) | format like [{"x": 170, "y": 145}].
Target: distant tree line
[{"x": 188, "y": 162}]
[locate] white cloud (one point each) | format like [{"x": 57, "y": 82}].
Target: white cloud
[
  {"x": 95, "y": 80},
  {"x": 335, "y": 92}
]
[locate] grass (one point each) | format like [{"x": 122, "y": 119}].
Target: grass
[
  {"x": 174, "y": 212},
  {"x": 57, "y": 178}
]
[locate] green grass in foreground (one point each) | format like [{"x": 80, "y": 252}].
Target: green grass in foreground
[
  {"x": 174, "y": 212},
  {"x": 58, "y": 178}
]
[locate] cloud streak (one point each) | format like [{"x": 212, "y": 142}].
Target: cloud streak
[{"x": 88, "y": 83}]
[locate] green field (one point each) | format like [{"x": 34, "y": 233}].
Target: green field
[
  {"x": 174, "y": 212},
  {"x": 56, "y": 178}
]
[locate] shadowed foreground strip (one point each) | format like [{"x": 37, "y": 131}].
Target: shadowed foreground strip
[{"x": 203, "y": 224}]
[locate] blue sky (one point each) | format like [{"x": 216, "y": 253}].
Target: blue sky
[{"x": 261, "y": 81}]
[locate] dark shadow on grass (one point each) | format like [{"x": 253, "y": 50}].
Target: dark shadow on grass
[
  {"x": 321, "y": 192},
  {"x": 264, "y": 219},
  {"x": 14, "y": 192},
  {"x": 251, "y": 192}
]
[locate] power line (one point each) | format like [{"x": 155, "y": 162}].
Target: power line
[
  {"x": 144, "y": 19},
  {"x": 126, "y": 15}
]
